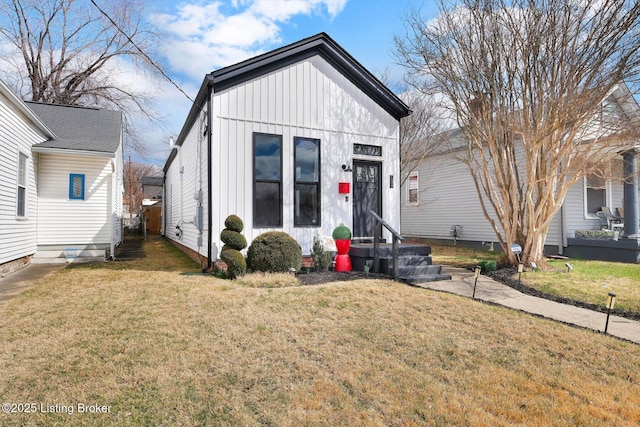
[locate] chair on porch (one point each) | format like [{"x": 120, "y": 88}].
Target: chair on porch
[
  {"x": 610, "y": 216},
  {"x": 608, "y": 224},
  {"x": 620, "y": 213}
]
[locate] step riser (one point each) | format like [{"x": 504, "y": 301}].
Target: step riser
[
  {"x": 413, "y": 280},
  {"x": 417, "y": 271},
  {"x": 366, "y": 251}
]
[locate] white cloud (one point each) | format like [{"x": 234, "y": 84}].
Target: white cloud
[{"x": 210, "y": 36}]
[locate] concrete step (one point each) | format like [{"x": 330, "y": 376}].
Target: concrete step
[
  {"x": 413, "y": 280},
  {"x": 386, "y": 250},
  {"x": 420, "y": 270}
]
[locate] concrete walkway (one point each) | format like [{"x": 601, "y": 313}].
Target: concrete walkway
[
  {"x": 15, "y": 283},
  {"x": 495, "y": 292}
]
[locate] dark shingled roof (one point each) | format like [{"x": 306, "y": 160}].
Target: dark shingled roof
[{"x": 80, "y": 128}]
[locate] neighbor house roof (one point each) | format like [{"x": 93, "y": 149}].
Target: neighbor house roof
[
  {"x": 80, "y": 128},
  {"x": 320, "y": 44},
  {"x": 153, "y": 180}
]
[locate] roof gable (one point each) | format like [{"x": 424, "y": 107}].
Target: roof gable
[
  {"x": 324, "y": 46},
  {"x": 80, "y": 128}
]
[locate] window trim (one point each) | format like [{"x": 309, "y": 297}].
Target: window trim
[
  {"x": 71, "y": 177},
  {"x": 317, "y": 183},
  {"x": 607, "y": 197},
  {"x": 25, "y": 186},
  {"x": 409, "y": 202},
  {"x": 255, "y": 181}
]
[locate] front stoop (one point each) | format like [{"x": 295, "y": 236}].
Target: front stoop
[{"x": 414, "y": 262}]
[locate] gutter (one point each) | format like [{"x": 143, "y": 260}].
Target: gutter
[{"x": 72, "y": 152}]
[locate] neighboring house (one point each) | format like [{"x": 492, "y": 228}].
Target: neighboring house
[
  {"x": 20, "y": 129},
  {"x": 300, "y": 140},
  {"x": 152, "y": 187},
  {"x": 60, "y": 181},
  {"x": 80, "y": 183},
  {"x": 439, "y": 194}
]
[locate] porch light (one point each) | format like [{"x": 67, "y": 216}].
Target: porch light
[
  {"x": 347, "y": 167},
  {"x": 520, "y": 270},
  {"x": 611, "y": 301}
]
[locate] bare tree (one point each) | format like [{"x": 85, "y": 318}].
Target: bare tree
[
  {"x": 528, "y": 81},
  {"x": 133, "y": 173},
  {"x": 68, "y": 52},
  {"x": 421, "y": 131}
]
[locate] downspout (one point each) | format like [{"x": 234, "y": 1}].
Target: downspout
[
  {"x": 164, "y": 204},
  {"x": 209, "y": 177}
]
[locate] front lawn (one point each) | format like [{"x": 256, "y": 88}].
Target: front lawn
[{"x": 162, "y": 348}]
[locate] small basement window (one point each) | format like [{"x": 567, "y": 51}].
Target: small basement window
[{"x": 76, "y": 186}]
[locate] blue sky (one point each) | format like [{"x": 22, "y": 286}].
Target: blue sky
[{"x": 202, "y": 36}]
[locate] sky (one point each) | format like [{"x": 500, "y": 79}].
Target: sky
[{"x": 203, "y": 36}]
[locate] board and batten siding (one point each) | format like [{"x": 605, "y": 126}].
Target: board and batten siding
[
  {"x": 308, "y": 99},
  {"x": 17, "y": 135},
  {"x": 447, "y": 197},
  {"x": 75, "y": 223}
]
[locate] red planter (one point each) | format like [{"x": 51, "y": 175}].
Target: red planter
[{"x": 343, "y": 262}]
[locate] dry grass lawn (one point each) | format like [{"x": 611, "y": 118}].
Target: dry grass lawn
[{"x": 161, "y": 348}]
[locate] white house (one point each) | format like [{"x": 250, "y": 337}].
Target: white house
[
  {"x": 20, "y": 129},
  {"x": 61, "y": 181},
  {"x": 439, "y": 197},
  {"x": 300, "y": 139}
]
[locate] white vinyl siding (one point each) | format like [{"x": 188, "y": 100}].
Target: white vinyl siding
[
  {"x": 308, "y": 99},
  {"x": 447, "y": 198},
  {"x": 17, "y": 135},
  {"x": 62, "y": 221}
]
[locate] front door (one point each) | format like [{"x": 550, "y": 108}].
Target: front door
[{"x": 367, "y": 196}]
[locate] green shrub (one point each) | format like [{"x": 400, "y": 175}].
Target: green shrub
[
  {"x": 236, "y": 264},
  {"x": 274, "y": 251},
  {"x": 594, "y": 234},
  {"x": 488, "y": 265},
  {"x": 321, "y": 258},
  {"x": 341, "y": 232},
  {"x": 234, "y": 242},
  {"x": 234, "y": 223},
  {"x": 233, "y": 239}
]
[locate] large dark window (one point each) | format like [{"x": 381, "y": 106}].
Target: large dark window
[
  {"x": 267, "y": 180},
  {"x": 307, "y": 185}
]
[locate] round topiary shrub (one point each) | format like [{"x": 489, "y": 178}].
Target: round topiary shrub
[
  {"x": 233, "y": 239},
  {"x": 274, "y": 251},
  {"x": 234, "y": 242},
  {"x": 234, "y": 223},
  {"x": 236, "y": 264},
  {"x": 341, "y": 232}
]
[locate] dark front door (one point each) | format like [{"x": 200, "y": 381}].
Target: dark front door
[{"x": 367, "y": 196}]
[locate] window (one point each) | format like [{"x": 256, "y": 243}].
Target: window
[
  {"x": 267, "y": 184},
  {"x": 307, "y": 185},
  {"x": 367, "y": 150},
  {"x": 595, "y": 193},
  {"x": 21, "y": 205},
  {"x": 413, "y": 187},
  {"x": 76, "y": 186}
]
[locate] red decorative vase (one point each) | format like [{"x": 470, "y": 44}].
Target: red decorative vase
[{"x": 343, "y": 262}]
